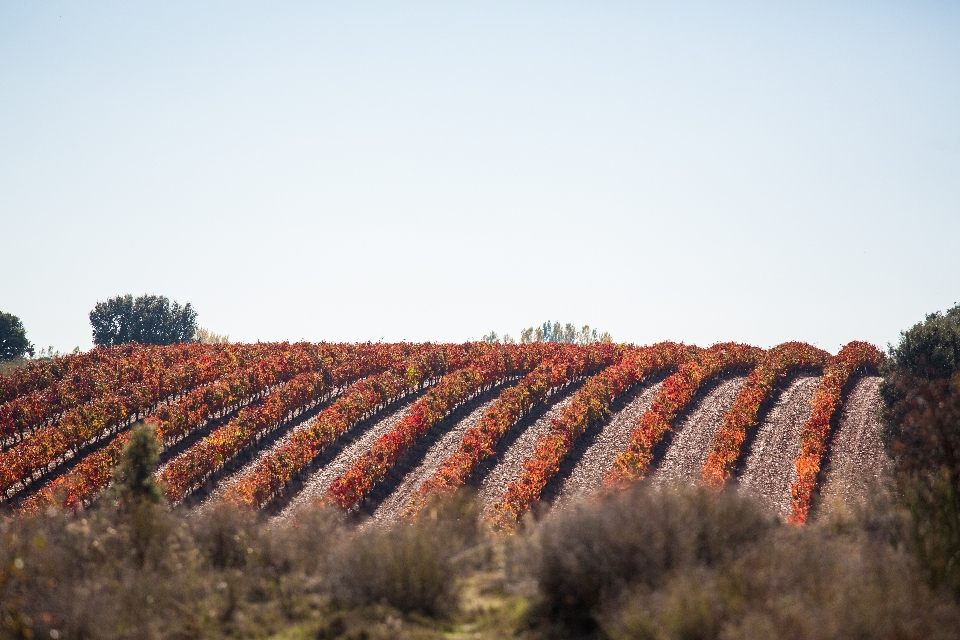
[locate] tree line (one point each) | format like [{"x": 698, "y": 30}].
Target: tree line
[{"x": 146, "y": 319}]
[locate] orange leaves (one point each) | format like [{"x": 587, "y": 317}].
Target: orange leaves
[
  {"x": 673, "y": 397},
  {"x": 589, "y": 405},
  {"x": 775, "y": 366},
  {"x": 269, "y": 476},
  {"x": 171, "y": 374},
  {"x": 186, "y": 472},
  {"x": 813, "y": 438},
  {"x": 480, "y": 442},
  {"x": 243, "y": 370},
  {"x": 84, "y": 481},
  {"x": 489, "y": 364},
  {"x": 116, "y": 370}
]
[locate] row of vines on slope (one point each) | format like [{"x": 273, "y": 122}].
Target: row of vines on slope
[
  {"x": 240, "y": 382},
  {"x": 193, "y": 384},
  {"x": 779, "y": 363},
  {"x": 813, "y": 438},
  {"x": 104, "y": 416},
  {"x": 37, "y": 376},
  {"x": 674, "y": 396},
  {"x": 117, "y": 373},
  {"x": 488, "y": 368},
  {"x": 480, "y": 442},
  {"x": 360, "y": 400},
  {"x": 188, "y": 471},
  {"x": 588, "y": 406}
]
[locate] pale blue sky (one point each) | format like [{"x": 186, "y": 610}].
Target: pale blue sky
[{"x": 700, "y": 171}]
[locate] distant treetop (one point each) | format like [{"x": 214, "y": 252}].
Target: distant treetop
[
  {"x": 205, "y": 336},
  {"x": 553, "y": 332},
  {"x": 146, "y": 320},
  {"x": 13, "y": 338}
]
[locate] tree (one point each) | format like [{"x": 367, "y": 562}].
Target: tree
[
  {"x": 134, "y": 481},
  {"x": 205, "y": 336},
  {"x": 921, "y": 391},
  {"x": 554, "y": 332},
  {"x": 140, "y": 497},
  {"x": 146, "y": 319},
  {"x": 13, "y": 338}
]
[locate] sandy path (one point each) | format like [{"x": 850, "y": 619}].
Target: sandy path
[
  {"x": 216, "y": 493},
  {"x": 769, "y": 468},
  {"x": 400, "y": 497},
  {"x": 588, "y": 473},
  {"x": 510, "y": 465},
  {"x": 316, "y": 485},
  {"x": 693, "y": 436},
  {"x": 857, "y": 459}
]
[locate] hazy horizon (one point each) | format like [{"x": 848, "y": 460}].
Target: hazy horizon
[{"x": 434, "y": 171}]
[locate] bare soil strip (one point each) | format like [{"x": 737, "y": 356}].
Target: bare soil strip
[
  {"x": 614, "y": 436},
  {"x": 510, "y": 465},
  {"x": 316, "y": 485},
  {"x": 857, "y": 462},
  {"x": 215, "y": 495},
  {"x": 392, "y": 506},
  {"x": 769, "y": 468},
  {"x": 693, "y": 435}
]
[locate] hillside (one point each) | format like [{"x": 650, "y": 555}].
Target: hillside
[{"x": 380, "y": 429}]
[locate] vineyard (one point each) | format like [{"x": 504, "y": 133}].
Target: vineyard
[{"x": 382, "y": 430}]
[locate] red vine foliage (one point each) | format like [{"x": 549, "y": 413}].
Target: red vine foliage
[
  {"x": 813, "y": 439},
  {"x": 778, "y": 363},
  {"x": 589, "y": 405},
  {"x": 674, "y": 396}
]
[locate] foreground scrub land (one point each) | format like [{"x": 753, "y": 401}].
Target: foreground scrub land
[{"x": 646, "y": 563}]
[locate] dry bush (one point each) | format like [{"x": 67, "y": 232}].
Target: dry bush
[
  {"x": 97, "y": 576},
  {"x": 686, "y": 563},
  {"x": 590, "y": 554},
  {"x": 152, "y": 573},
  {"x": 412, "y": 566}
]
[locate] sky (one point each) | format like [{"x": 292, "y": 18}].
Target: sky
[{"x": 701, "y": 172}]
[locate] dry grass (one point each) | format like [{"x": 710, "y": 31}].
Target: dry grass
[{"x": 669, "y": 563}]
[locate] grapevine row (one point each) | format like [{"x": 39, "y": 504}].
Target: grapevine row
[
  {"x": 188, "y": 471},
  {"x": 674, "y": 396},
  {"x": 265, "y": 366},
  {"x": 97, "y": 419},
  {"x": 777, "y": 364},
  {"x": 588, "y": 406},
  {"x": 826, "y": 400},
  {"x": 37, "y": 376},
  {"x": 480, "y": 442},
  {"x": 492, "y": 365},
  {"x": 116, "y": 372},
  {"x": 359, "y": 401}
]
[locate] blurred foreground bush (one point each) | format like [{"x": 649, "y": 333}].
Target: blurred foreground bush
[{"x": 690, "y": 563}]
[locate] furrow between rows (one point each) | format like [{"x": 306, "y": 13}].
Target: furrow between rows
[
  {"x": 315, "y": 487},
  {"x": 857, "y": 461},
  {"x": 769, "y": 469},
  {"x": 692, "y": 437},
  {"x": 588, "y": 472},
  {"x": 392, "y": 506}
]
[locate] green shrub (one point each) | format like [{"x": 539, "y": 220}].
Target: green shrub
[
  {"x": 13, "y": 338},
  {"x": 921, "y": 393}
]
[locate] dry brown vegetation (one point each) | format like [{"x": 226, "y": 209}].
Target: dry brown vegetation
[{"x": 649, "y": 563}]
